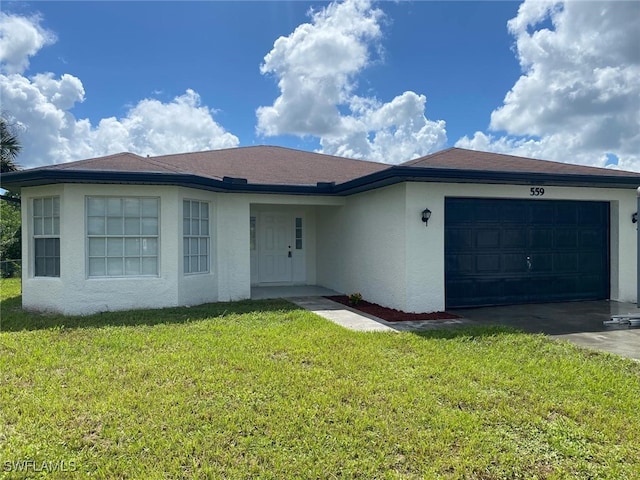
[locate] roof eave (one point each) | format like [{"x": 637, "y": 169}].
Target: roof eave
[
  {"x": 389, "y": 176},
  {"x": 398, "y": 174},
  {"x": 19, "y": 180}
]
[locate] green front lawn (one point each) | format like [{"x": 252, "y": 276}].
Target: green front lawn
[{"x": 265, "y": 390}]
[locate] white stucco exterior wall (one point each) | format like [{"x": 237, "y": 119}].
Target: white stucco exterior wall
[
  {"x": 373, "y": 243},
  {"x": 74, "y": 292},
  {"x": 432, "y": 195},
  {"x": 361, "y": 246},
  {"x": 377, "y": 244}
]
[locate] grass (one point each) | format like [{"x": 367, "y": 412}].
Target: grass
[{"x": 265, "y": 390}]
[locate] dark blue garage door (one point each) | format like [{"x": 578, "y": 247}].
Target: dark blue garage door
[{"x": 500, "y": 252}]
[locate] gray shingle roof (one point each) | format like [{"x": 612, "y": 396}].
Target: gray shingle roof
[
  {"x": 267, "y": 165},
  {"x": 462, "y": 159}
]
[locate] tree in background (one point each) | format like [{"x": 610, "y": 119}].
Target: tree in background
[
  {"x": 10, "y": 231},
  {"x": 9, "y": 147}
]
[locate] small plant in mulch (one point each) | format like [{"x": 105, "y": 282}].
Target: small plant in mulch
[
  {"x": 389, "y": 314},
  {"x": 355, "y": 298}
]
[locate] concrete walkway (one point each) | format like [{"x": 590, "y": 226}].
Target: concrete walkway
[
  {"x": 355, "y": 320},
  {"x": 577, "y": 322}
]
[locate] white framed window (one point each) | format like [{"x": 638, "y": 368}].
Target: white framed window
[
  {"x": 298, "y": 233},
  {"x": 195, "y": 231},
  {"x": 122, "y": 236},
  {"x": 46, "y": 236},
  {"x": 252, "y": 233}
]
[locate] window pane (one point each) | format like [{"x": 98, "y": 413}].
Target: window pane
[
  {"x": 252, "y": 233},
  {"x": 114, "y": 247},
  {"x": 131, "y": 207},
  {"x": 114, "y": 266},
  {"x": 185, "y": 247},
  {"x": 96, "y": 226},
  {"x": 95, "y": 206},
  {"x": 204, "y": 210},
  {"x": 195, "y": 209},
  {"x": 204, "y": 250},
  {"x": 132, "y": 226},
  {"x": 49, "y": 247},
  {"x": 114, "y": 226},
  {"x": 298, "y": 244},
  {"x": 56, "y": 266},
  {"x": 132, "y": 247},
  {"x": 48, "y": 207},
  {"x": 194, "y": 246},
  {"x": 194, "y": 263},
  {"x": 50, "y": 267},
  {"x": 204, "y": 264},
  {"x": 150, "y": 266},
  {"x": 149, "y": 246},
  {"x": 149, "y": 226},
  {"x": 298, "y": 222},
  {"x": 39, "y": 267},
  {"x": 97, "y": 247},
  {"x": 186, "y": 226},
  {"x": 186, "y": 264},
  {"x": 186, "y": 209},
  {"x": 37, "y": 207},
  {"x": 39, "y": 247},
  {"x": 56, "y": 225},
  {"x": 97, "y": 267},
  {"x": 114, "y": 207},
  {"x": 195, "y": 227},
  {"x": 37, "y": 226},
  {"x": 48, "y": 226},
  {"x": 132, "y": 266},
  {"x": 204, "y": 227},
  {"x": 149, "y": 207},
  {"x": 56, "y": 206}
]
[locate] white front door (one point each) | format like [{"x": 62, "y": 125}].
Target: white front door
[{"x": 275, "y": 244}]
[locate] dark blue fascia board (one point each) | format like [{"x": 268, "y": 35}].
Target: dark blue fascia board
[
  {"x": 398, "y": 174},
  {"x": 389, "y": 176},
  {"x": 47, "y": 177}
]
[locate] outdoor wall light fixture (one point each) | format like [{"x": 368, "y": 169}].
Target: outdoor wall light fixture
[
  {"x": 634, "y": 218},
  {"x": 426, "y": 215}
]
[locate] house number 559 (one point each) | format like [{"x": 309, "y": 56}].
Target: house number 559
[{"x": 536, "y": 192}]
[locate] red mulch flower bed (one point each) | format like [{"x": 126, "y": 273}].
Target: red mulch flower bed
[{"x": 389, "y": 314}]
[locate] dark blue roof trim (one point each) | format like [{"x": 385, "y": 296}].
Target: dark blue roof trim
[{"x": 389, "y": 176}]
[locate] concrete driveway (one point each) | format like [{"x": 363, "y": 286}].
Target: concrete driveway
[{"x": 577, "y": 322}]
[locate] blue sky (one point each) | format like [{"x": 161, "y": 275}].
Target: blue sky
[{"x": 145, "y": 65}]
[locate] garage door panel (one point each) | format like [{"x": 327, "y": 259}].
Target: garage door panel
[
  {"x": 525, "y": 251},
  {"x": 541, "y": 262},
  {"x": 460, "y": 263},
  {"x": 485, "y": 213},
  {"x": 541, "y": 237},
  {"x": 566, "y": 238},
  {"x": 488, "y": 264},
  {"x": 514, "y": 214},
  {"x": 541, "y": 213},
  {"x": 589, "y": 263},
  {"x": 565, "y": 262},
  {"x": 566, "y": 214},
  {"x": 591, "y": 239},
  {"x": 588, "y": 217},
  {"x": 514, "y": 263},
  {"x": 514, "y": 238},
  {"x": 459, "y": 239},
  {"x": 488, "y": 238}
]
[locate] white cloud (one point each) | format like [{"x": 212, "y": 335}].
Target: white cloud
[
  {"x": 317, "y": 67},
  {"x": 21, "y": 38},
  {"x": 579, "y": 96},
  {"x": 42, "y": 106}
]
